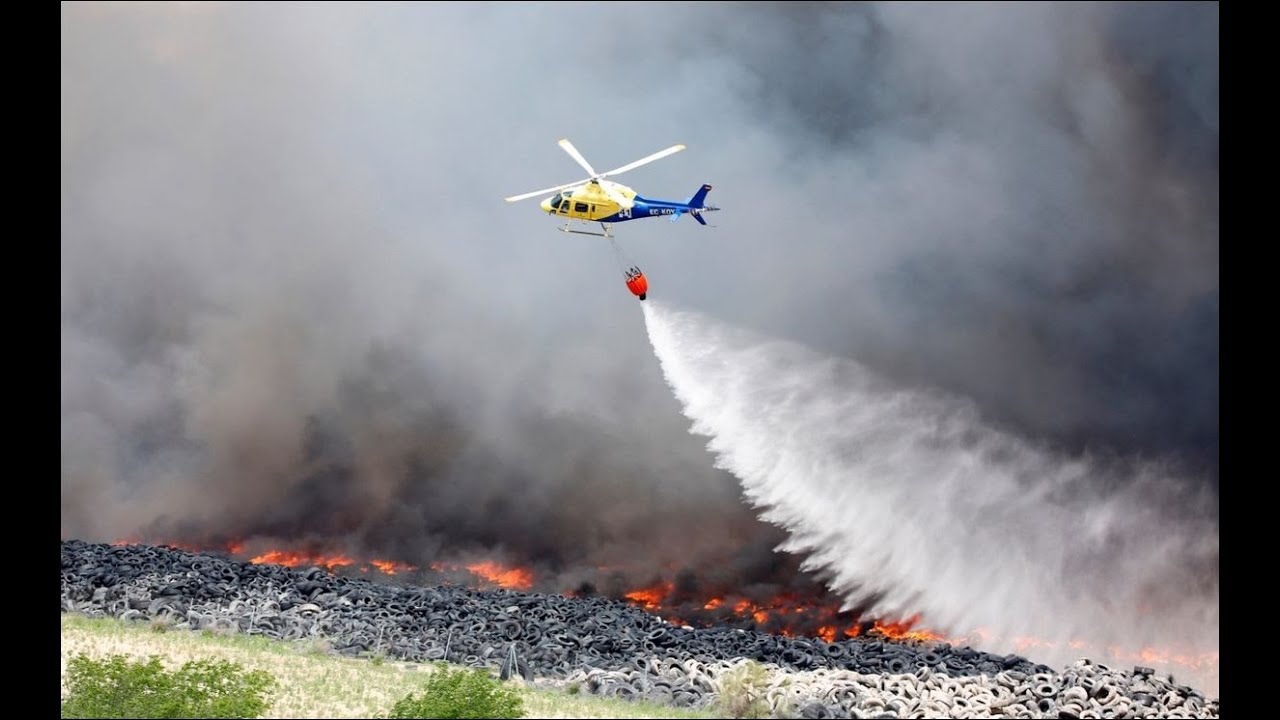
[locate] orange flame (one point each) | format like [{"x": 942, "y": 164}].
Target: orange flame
[
  {"x": 785, "y": 615},
  {"x": 514, "y": 578},
  {"x": 775, "y": 611},
  {"x": 391, "y": 567},
  {"x": 904, "y": 630},
  {"x": 288, "y": 558},
  {"x": 296, "y": 559},
  {"x": 651, "y": 598}
]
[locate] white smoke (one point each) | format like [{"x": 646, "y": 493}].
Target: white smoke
[{"x": 910, "y": 503}]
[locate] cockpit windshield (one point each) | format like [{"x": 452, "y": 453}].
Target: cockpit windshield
[{"x": 555, "y": 201}]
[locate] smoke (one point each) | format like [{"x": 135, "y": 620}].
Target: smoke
[
  {"x": 294, "y": 307},
  {"x": 909, "y": 501},
  {"x": 1018, "y": 203}
]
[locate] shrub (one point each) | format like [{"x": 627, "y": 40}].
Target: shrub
[
  {"x": 742, "y": 691},
  {"x": 461, "y": 693},
  {"x": 118, "y": 688}
]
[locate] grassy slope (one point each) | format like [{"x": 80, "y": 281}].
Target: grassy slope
[{"x": 313, "y": 683}]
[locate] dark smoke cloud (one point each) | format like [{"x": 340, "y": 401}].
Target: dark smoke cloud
[
  {"x": 1017, "y": 202},
  {"x": 294, "y": 305}
]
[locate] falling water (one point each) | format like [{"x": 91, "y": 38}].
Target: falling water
[{"x": 907, "y": 501}]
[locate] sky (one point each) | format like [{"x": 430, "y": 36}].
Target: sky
[{"x": 294, "y": 304}]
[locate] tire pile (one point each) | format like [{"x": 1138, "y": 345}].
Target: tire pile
[{"x": 603, "y": 646}]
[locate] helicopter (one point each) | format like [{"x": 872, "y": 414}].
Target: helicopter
[{"x": 595, "y": 199}]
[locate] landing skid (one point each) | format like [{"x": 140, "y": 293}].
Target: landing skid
[{"x": 608, "y": 231}]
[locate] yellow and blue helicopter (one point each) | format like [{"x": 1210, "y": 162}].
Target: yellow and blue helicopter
[{"x": 598, "y": 200}]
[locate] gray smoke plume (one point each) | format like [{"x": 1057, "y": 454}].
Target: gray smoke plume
[{"x": 295, "y": 308}]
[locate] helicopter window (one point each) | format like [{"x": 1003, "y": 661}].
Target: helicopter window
[{"x": 579, "y": 207}]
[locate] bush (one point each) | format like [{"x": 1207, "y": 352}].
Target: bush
[
  {"x": 461, "y": 693},
  {"x": 118, "y": 688},
  {"x": 742, "y": 691}
]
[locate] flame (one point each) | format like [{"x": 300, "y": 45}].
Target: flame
[
  {"x": 490, "y": 573},
  {"x": 792, "y": 616},
  {"x": 391, "y": 567},
  {"x": 785, "y": 614},
  {"x": 296, "y": 559},
  {"x": 905, "y": 630},
  {"x": 651, "y": 598},
  {"x": 515, "y": 578},
  {"x": 288, "y": 558}
]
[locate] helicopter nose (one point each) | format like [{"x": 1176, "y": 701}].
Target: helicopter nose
[{"x": 545, "y": 205}]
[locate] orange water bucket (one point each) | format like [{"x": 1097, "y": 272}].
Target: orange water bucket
[{"x": 637, "y": 283}]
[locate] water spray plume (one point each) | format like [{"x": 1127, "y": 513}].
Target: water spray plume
[{"x": 908, "y": 502}]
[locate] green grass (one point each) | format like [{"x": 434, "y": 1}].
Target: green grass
[{"x": 313, "y": 684}]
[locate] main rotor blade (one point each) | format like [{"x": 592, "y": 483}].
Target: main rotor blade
[
  {"x": 645, "y": 160},
  {"x": 573, "y": 152},
  {"x": 557, "y": 188}
]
